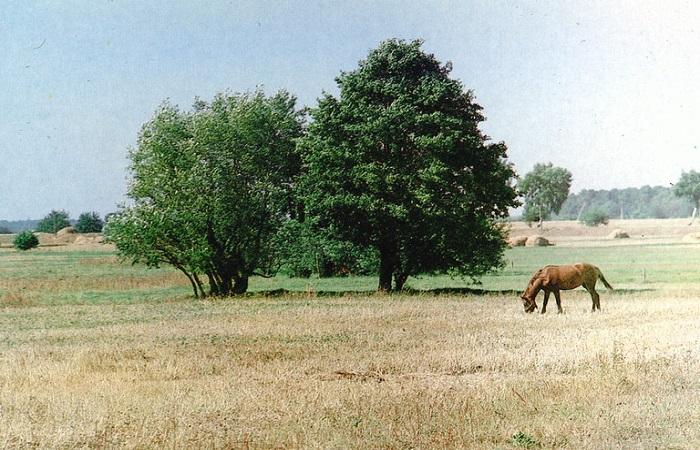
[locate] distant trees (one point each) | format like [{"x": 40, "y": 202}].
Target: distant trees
[
  {"x": 53, "y": 221},
  {"x": 544, "y": 189},
  {"x": 637, "y": 203},
  {"x": 89, "y": 222},
  {"x": 688, "y": 186},
  {"x": 397, "y": 164},
  {"x": 211, "y": 188}
]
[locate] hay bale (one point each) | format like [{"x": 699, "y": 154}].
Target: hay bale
[
  {"x": 517, "y": 241},
  {"x": 88, "y": 239},
  {"x": 692, "y": 237},
  {"x": 618, "y": 234},
  {"x": 537, "y": 241},
  {"x": 65, "y": 231}
]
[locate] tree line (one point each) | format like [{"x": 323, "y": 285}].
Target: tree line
[
  {"x": 545, "y": 191},
  {"x": 393, "y": 176}
]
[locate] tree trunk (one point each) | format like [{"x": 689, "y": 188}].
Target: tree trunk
[
  {"x": 539, "y": 225},
  {"x": 240, "y": 285},
  {"x": 400, "y": 280},
  {"x": 386, "y": 269},
  {"x": 692, "y": 218}
]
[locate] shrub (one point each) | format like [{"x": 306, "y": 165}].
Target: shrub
[
  {"x": 595, "y": 217},
  {"x": 25, "y": 240}
]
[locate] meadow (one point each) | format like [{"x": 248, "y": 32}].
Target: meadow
[{"x": 96, "y": 353}]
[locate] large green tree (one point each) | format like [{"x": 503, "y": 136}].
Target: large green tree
[
  {"x": 397, "y": 163},
  {"x": 211, "y": 188},
  {"x": 544, "y": 189},
  {"x": 688, "y": 186}
]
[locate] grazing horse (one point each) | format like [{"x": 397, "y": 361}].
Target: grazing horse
[{"x": 552, "y": 279}]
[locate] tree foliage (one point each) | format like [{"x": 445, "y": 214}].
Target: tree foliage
[
  {"x": 211, "y": 188},
  {"x": 544, "y": 190},
  {"x": 688, "y": 186},
  {"x": 53, "y": 221},
  {"x": 89, "y": 222},
  {"x": 397, "y": 164}
]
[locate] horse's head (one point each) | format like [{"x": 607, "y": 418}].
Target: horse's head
[{"x": 528, "y": 303}]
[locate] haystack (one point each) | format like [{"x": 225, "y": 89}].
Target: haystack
[
  {"x": 618, "y": 234},
  {"x": 692, "y": 237},
  {"x": 65, "y": 231},
  {"x": 517, "y": 241},
  {"x": 537, "y": 241}
]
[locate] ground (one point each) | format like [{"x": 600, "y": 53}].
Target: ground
[{"x": 95, "y": 353}]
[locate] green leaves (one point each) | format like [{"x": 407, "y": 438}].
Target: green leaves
[
  {"x": 211, "y": 187},
  {"x": 545, "y": 189},
  {"x": 398, "y": 163}
]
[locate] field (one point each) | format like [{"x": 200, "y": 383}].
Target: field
[{"x": 96, "y": 353}]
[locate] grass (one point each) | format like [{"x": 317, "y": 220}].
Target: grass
[{"x": 98, "y": 354}]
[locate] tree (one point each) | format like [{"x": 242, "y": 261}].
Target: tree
[
  {"x": 89, "y": 222},
  {"x": 398, "y": 164},
  {"x": 688, "y": 186},
  {"x": 54, "y": 221},
  {"x": 544, "y": 189},
  {"x": 211, "y": 188}
]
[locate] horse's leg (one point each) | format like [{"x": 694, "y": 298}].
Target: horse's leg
[
  {"x": 596, "y": 299},
  {"x": 557, "y": 297},
  {"x": 544, "y": 302}
]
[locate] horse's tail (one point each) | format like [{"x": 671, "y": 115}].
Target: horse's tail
[{"x": 602, "y": 278}]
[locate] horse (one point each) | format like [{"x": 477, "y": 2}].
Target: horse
[{"x": 552, "y": 279}]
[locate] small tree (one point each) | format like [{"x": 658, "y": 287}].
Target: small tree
[
  {"x": 54, "y": 221},
  {"x": 544, "y": 189},
  {"x": 25, "y": 240},
  {"x": 689, "y": 186},
  {"x": 89, "y": 222}
]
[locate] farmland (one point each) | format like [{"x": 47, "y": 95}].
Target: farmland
[{"x": 97, "y": 353}]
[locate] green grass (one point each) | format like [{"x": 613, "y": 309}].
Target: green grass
[{"x": 94, "y": 277}]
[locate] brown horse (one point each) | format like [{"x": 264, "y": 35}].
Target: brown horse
[{"x": 552, "y": 279}]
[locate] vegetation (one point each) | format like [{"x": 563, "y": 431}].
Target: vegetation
[
  {"x": 211, "y": 188},
  {"x": 89, "y": 222},
  {"x": 53, "y": 221},
  {"x": 647, "y": 202},
  {"x": 103, "y": 354},
  {"x": 688, "y": 186},
  {"x": 595, "y": 217},
  {"x": 25, "y": 240},
  {"x": 544, "y": 189},
  {"x": 397, "y": 164},
  {"x": 5, "y": 230}
]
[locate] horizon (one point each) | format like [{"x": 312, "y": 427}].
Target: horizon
[{"x": 602, "y": 90}]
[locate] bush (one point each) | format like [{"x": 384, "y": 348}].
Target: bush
[
  {"x": 89, "y": 222},
  {"x": 25, "y": 240},
  {"x": 595, "y": 217}
]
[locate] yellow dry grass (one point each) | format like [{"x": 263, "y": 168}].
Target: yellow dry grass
[{"x": 352, "y": 372}]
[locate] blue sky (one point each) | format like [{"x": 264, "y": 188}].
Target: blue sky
[{"x": 606, "y": 89}]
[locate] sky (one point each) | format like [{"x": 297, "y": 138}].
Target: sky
[{"x": 608, "y": 90}]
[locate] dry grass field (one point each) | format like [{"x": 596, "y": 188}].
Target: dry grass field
[{"x": 96, "y": 354}]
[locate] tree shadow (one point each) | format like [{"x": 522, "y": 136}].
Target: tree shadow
[{"x": 453, "y": 291}]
